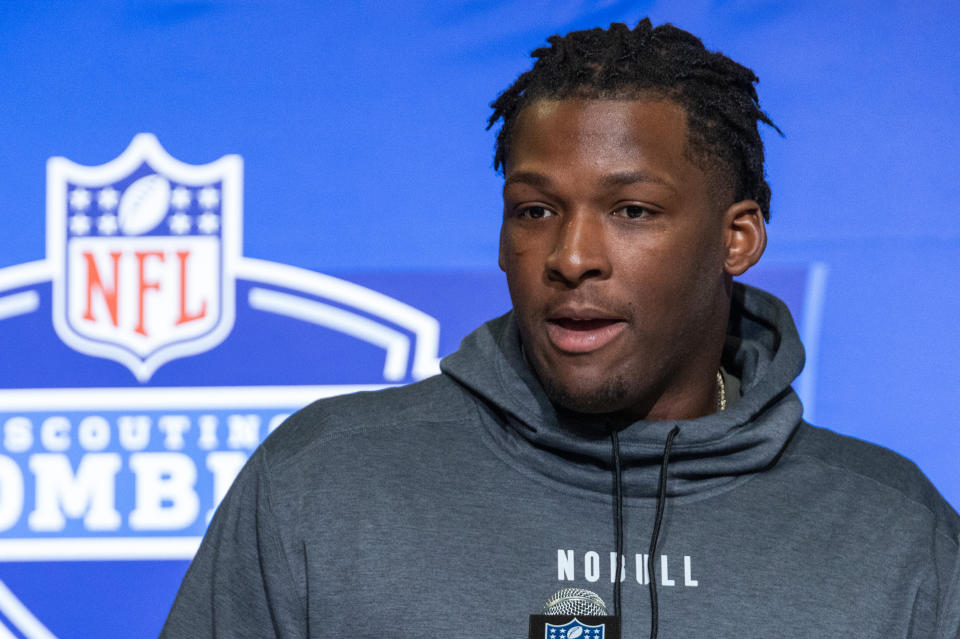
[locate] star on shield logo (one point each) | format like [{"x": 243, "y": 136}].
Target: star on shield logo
[
  {"x": 573, "y": 630},
  {"x": 143, "y": 249}
]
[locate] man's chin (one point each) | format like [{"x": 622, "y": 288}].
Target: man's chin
[{"x": 609, "y": 397}]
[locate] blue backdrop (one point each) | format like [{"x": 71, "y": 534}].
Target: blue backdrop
[{"x": 360, "y": 242}]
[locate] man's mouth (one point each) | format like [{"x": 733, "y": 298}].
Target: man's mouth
[
  {"x": 583, "y": 324},
  {"x": 583, "y": 334}
]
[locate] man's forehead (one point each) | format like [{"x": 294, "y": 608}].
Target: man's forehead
[
  {"x": 624, "y": 135},
  {"x": 649, "y": 130},
  {"x": 594, "y": 108},
  {"x": 615, "y": 120}
]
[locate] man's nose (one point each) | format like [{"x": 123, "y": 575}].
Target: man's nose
[{"x": 579, "y": 252}]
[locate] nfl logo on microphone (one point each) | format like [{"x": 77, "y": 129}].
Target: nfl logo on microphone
[
  {"x": 573, "y": 630},
  {"x": 142, "y": 250}
]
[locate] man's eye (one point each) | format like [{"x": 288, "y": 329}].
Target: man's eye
[
  {"x": 633, "y": 211},
  {"x": 535, "y": 212}
]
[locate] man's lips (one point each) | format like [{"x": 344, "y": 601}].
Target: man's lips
[{"x": 581, "y": 333}]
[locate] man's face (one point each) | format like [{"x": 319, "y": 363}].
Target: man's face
[{"x": 613, "y": 245}]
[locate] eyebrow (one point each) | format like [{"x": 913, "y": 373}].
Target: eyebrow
[
  {"x": 611, "y": 179},
  {"x": 527, "y": 177},
  {"x": 631, "y": 177}
]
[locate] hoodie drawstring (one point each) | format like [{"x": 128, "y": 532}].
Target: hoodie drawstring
[
  {"x": 617, "y": 520},
  {"x": 658, "y": 520},
  {"x": 661, "y": 506}
]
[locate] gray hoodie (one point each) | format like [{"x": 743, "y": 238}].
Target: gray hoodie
[{"x": 456, "y": 506}]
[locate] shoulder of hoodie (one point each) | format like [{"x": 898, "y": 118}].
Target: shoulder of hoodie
[
  {"x": 398, "y": 411},
  {"x": 878, "y": 467}
]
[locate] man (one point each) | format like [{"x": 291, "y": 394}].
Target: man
[{"x": 636, "y": 403}]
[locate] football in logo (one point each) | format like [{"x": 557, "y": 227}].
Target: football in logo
[{"x": 144, "y": 204}]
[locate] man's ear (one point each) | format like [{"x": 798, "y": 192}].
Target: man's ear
[{"x": 745, "y": 233}]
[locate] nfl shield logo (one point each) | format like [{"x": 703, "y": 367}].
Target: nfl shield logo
[
  {"x": 143, "y": 249},
  {"x": 573, "y": 630}
]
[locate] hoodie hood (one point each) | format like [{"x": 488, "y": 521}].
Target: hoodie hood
[{"x": 710, "y": 453}]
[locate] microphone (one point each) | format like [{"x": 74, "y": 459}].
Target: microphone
[{"x": 573, "y": 613}]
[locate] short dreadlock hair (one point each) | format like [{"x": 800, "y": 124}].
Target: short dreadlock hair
[{"x": 717, "y": 94}]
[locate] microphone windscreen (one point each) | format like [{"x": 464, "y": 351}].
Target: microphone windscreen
[
  {"x": 574, "y": 613},
  {"x": 575, "y": 601}
]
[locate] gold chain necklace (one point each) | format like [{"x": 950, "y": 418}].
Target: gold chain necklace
[{"x": 721, "y": 393}]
